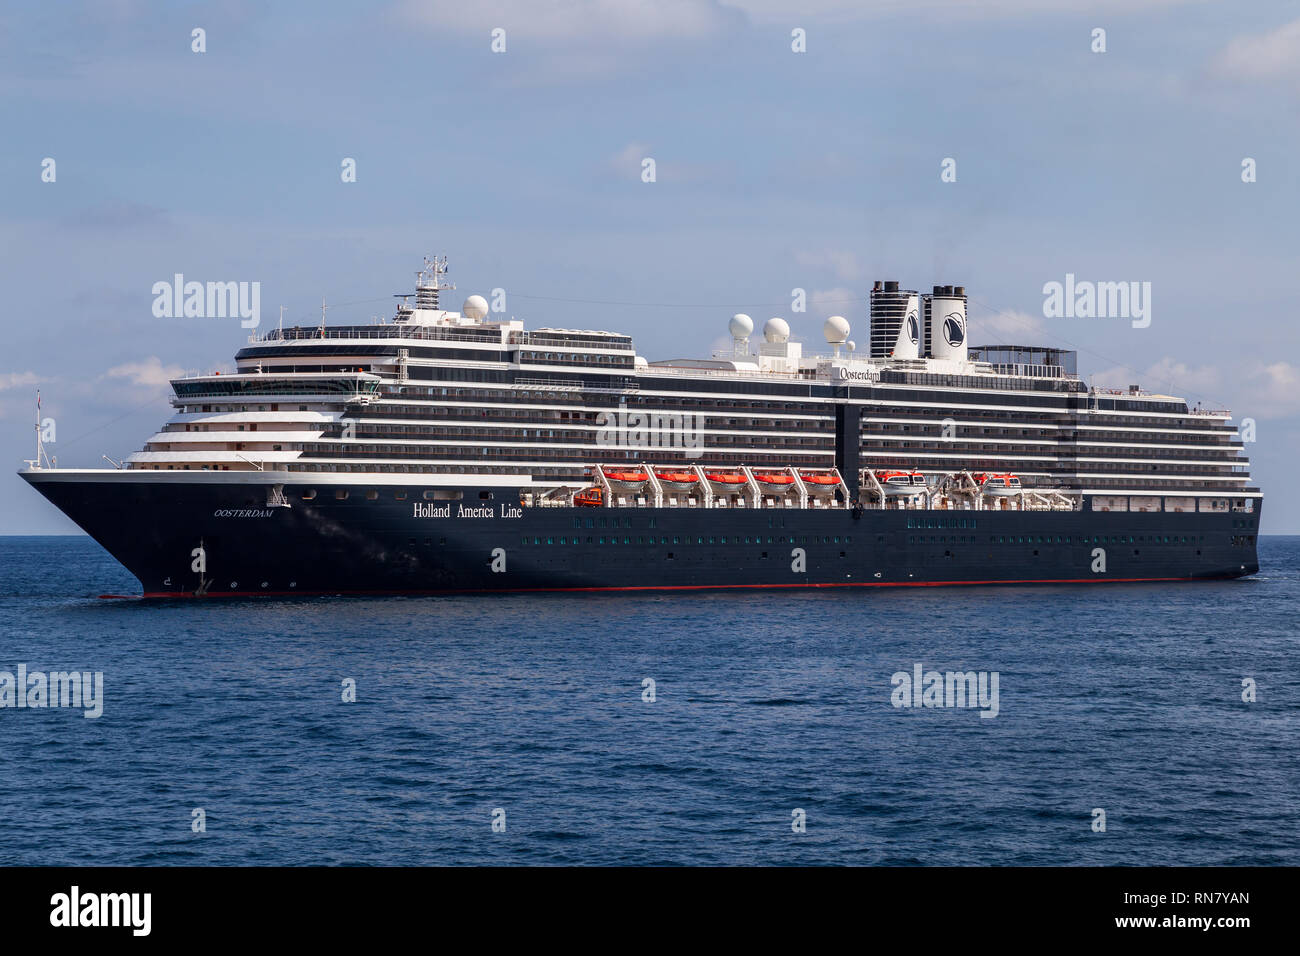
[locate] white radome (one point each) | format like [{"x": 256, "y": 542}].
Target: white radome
[
  {"x": 740, "y": 325},
  {"x": 851, "y": 345},
  {"x": 776, "y": 330},
  {"x": 836, "y": 330},
  {"x": 475, "y": 307}
]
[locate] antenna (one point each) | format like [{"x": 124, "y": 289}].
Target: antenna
[
  {"x": 429, "y": 282},
  {"x": 40, "y": 448},
  {"x": 323, "y": 307}
]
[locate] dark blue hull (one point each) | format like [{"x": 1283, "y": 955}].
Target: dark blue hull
[{"x": 363, "y": 545}]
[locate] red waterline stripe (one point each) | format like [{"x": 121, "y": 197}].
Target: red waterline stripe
[{"x": 665, "y": 587}]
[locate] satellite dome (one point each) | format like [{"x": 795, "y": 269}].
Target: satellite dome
[
  {"x": 475, "y": 307},
  {"x": 851, "y": 345},
  {"x": 836, "y": 330},
  {"x": 776, "y": 330},
  {"x": 740, "y": 325}
]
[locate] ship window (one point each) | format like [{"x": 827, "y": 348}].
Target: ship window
[
  {"x": 371, "y": 494},
  {"x": 399, "y": 495},
  {"x": 309, "y": 494},
  {"x": 341, "y": 494},
  {"x": 485, "y": 496}
]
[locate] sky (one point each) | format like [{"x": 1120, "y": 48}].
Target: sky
[{"x": 774, "y": 170}]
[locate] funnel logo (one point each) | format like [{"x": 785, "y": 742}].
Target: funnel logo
[
  {"x": 913, "y": 332},
  {"x": 953, "y": 330}
]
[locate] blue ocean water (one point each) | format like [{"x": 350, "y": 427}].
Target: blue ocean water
[{"x": 1126, "y": 698}]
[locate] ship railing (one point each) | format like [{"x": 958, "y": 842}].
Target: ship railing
[
  {"x": 300, "y": 333},
  {"x": 573, "y": 385}
]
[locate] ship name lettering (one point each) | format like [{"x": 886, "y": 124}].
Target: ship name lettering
[{"x": 420, "y": 510}]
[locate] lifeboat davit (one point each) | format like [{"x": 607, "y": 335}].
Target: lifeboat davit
[
  {"x": 902, "y": 483},
  {"x": 772, "y": 478},
  {"x": 1000, "y": 486},
  {"x": 677, "y": 477},
  {"x": 589, "y": 498}
]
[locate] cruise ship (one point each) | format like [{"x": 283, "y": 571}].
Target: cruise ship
[{"x": 443, "y": 451}]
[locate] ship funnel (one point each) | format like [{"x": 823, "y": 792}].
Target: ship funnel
[
  {"x": 946, "y": 327},
  {"x": 895, "y": 322}
]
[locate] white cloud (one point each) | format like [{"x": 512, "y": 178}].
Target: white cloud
[
  {"x": 571, "y": 19},
  {"x": 841, "y": 263},
  {"x": 1167, "y": 375},
  {"x": 1262, "y": 55},
  {"x": 149, "y": 372},
  {"x": 1006, "y": 328},
  {"x": 835, "y": 301},
  {"x": 648, "y": 20},
  {"x": 1274, "y": 391},
  {"x": 845, "y": 11},
  {"x": 17, "y": 379},
  {"x": 627, "y": 161}
]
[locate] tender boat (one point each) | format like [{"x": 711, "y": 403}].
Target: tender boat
[
  {"x": 900, "y": 483},
  {"x": 1001, "y": 486},
  {"x": 590, "y": 498}
]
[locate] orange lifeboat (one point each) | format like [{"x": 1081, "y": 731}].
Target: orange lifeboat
[
  {"x": 589, "y": 498},
  {"x": 815, "y": 478},
  {"x": 677, "y": 477},
  {"x": 725, "y": 477},
  {"x": 630, "y": 477},
  {"x": 772, "y": 478}
]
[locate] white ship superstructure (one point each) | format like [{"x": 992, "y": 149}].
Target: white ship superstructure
[{"x": 472, "y": 393}]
